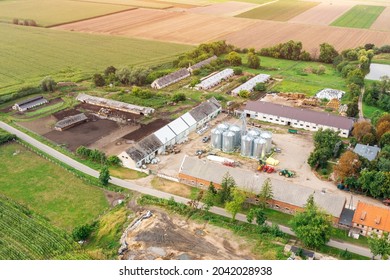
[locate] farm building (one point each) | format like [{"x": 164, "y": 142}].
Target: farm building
[
  {"x": 369, "y": 219},
  {"x": 113, "y": 104},
  {"x": 215, "y": 79},
  {"x": 287, "y": 197},
  {"x": 250, "y": 85},
  {"x": 201, "y": 64},
  {"x": 366, "y": 151},
  {"x": 30, "y": 103},
  {"x": 173, "y": 133},
  {"x": 170, "y": 78},
  {"x": 70, "y": 121},
  {"x": 330, "y": 94},
  {"x": 297, "y": 117}
]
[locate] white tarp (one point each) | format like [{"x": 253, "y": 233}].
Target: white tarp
[
  {"x": 189, "y": 119},
  {"x": 178, "y": 126}
]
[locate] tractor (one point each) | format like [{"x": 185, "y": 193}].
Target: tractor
[
  {"x": 268, "y": 169},
  {"x": 286, "y": 173}
]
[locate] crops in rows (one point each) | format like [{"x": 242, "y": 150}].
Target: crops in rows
[
  {"x": 25, "y": 235},
  {"x": 360, "y": 16}
]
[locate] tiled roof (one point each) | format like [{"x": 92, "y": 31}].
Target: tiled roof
[{"x": 372, "y": 216}]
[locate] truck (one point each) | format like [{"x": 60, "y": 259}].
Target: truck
[{"x": 286, "y": 173}]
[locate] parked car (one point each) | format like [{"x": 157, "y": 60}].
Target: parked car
[
  {"x": 205, "y": 139},
  {"x": 200, "y": 152},
  {"x": 277, "y": 150}
]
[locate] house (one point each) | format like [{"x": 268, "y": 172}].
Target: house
[
  {"x": 30, "y": 103},
  {"x": 70, "y": 121},
  {"x": 215, "y": 79},
  {"x": 298, "y": 117},
  {"x": 202, "y": 63},
  {"x": 330, "y": 94},
  {"x": 173, "y": 133},
  {"x": 366, "y": 151},
  {"x": 113, "y": 104},
  {"x": 170, "y": 78},
  {"x": 250, "y": 85},
  {"x": 369, "y": 219},
  {"x": 287, "y": 197}
]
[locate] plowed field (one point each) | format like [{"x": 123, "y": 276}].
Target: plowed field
[
  {"x": 226, "y": 9},
  {"x": 383, "y": 21}
]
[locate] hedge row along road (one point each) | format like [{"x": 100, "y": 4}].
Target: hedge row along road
[{"x": 134, "y": 187}]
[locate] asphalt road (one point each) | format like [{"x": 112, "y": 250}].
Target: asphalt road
[{"x": 134, "y": 187}]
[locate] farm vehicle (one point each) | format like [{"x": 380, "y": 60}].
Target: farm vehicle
[
  {"x": 286, "y": 173},
  {"x": 264, "y": 167}
]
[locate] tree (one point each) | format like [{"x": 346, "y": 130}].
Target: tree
[
  {"x": 227, "y": 185},
  {"x": 258, "y": 215},
  {"x": 348, "y": 166},
  {"x": 82, "y": 232},
  {"x": 210, "y": 197},
  {"x": 381, "y": 128},
  {"x": 360, "y": 129},
  {"x": 114, "y": 160},
  {"x": 375, "y": 183},
  {"x": 385, "y": 139},
  {"x": 356, "y": 76},
  {"x": 235, "y": 205},
  {"x": 353, "y": 109},
  {"x": 123, "y": 75},
  {"x": 379, "y": 245},
  {"x": 109, "y": 70},
  {"x": 260, "y": 87},
  {"x": 234, "y": 59},
  {"x": 104, "y": 176},
  {"x": 243, "y": 93},
  {"x": 48, "y": 84},
  {"x": 327, "y": 53},
  {"x": 196, "y": 197},
  {"x": 98, "y": 80},
  {"x": 312, "y": 226},
  {"x": 253, "y": 61},
  {"x": 237, "y": 71},
  {"x": 265, "y": 193}
]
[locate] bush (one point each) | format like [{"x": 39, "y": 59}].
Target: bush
[
  {"x": 237, "y": 71},
  {"x": 243, "y": 79},
  {"x": 6, "y": 137},
  {"x": 177, "y": 97},
  {"x": 244, "y": 93},
  {"x": 114, "y": 160},
  {"x": 48, "y": 84},
  {"x": 82, "y": 233},
  {"x": 98, "y": 80},
  {"x": 260, "y": 87}
]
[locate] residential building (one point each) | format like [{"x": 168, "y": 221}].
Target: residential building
[
  {"x": 366, "y": 151},
  {"x": 369, "y": 219}
]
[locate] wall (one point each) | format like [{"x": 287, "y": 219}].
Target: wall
[{"x": 367, "y": 231}]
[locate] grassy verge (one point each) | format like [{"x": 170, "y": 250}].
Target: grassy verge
[{"x": 172, "y": 187}]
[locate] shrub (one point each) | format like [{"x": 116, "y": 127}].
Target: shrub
[
  {"x": 237, "y": 71},
  {"x": 82, "y": 232},
  {"x": 177, "y": 97},
  {"x": 244, "y": 93},
  {"x": 98, "y": 80}
]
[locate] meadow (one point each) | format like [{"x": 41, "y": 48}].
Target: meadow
[
  {"x": 68, "y": 56},
  {"x": 360, "y": 16},
  {"x": 282, "y": 10},
  {"x": 48, "y": 189}
]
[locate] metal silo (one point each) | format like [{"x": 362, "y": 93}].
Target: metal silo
[
  {"x": 246, "y": 145},
  {"x": 267, "y": 136},
  {"x": 228, "y": 138},
  {"x": 254, "y": 133},
  {"x": 237, "y": 134},
  {"x": 216, "y": 138},
  {"x": 223, "y": 126},
  {"x": 259, "y": 147}
]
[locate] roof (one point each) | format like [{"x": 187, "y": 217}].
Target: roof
[
  {"x": 188, "y": 119},
  {"x": 249, "y": 85},
  {"x": 178, "y": 126},
  {"x": 144, "y": 148},
  {"x": 329, "y": 94},
  {"x": 168, "y": 79},
  {"x": 205, "y": 109},
  {"x": 319, "y": 118},
  {"x": 346, "y": 217},
  {"x": 372, "y": 216},
  {"x": 202, "y": 63},
  {"x": 216, "y": 78},
  {"x": 165, "y": 134},
  {"x": 283, "y": 191},
  {"x": 366, "y": 151},
  {"x": 121, "y": 106},
  {"x": 71, "y": 120},
  {"x": 30, "y": 100}
]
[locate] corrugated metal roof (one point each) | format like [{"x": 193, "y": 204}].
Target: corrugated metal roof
[
  {"x": 188, "y": 119},
  {"x": 282, "y": 191},
  {"x": 310, "y": 116},
  {"x": 202, "y": 63},
  {"x": 165, "y": 134},
  {"x": 178, "y": 126},
  {"x": 205, "y": 109},
  {"x": 249, "y": 85},
  {"x": 369, "y": 152},
  {"x": 71, "y": 120},
  {"x": 33, "y": 99},
  {"x": 167, "y": 79}
]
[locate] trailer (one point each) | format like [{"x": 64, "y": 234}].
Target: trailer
[{"x": 292, "y": 131}]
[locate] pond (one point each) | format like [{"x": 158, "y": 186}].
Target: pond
[{"x": 377, "y": 71}]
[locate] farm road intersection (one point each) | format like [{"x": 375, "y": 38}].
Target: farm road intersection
[{"x": 144, "y": 190}]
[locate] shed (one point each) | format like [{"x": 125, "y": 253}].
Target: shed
[{"x": 366, "y": 151}]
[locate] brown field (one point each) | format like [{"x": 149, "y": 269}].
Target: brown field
[
  {"x": 323, "y": 14},
  {"x": 187, "y": 28},
  {"x": 224, "y": 9},
  {"x": 383, "y": 21},
  {"x": 145, "y": 130}
]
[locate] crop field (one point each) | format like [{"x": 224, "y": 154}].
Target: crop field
[
  {"x": 70, "y": 56},
  {"x": 360, "y": 16},
  {"x": 50, "y": 12},
  {"x": 27, "y": 236},
  {"x": 322, "y": 14},
  {"x": 225, "y": 9},
  {"x": 281, "y": 10},
  {"x": 48, "y": 189},
  {"x": 383, "y": 21},
  {"x": 133, "y": 3}
]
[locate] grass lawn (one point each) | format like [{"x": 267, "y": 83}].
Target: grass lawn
[
  {"x": 359, "y": 16},
  {"x": 50, "y": 12},
  {"x": 68, "y": 56},
  {"x": 369, "y": 110},
  {"x": 383, "y": 58},
  {"x": 48, "y": 189},
  {"x": 282, "y": 10},
  {"x": 125, "y": 173},
  {"x": 297, "y": 77}
]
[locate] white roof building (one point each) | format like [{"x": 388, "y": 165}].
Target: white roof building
[
  {"x": 215, "y": 79},
  {"x": 330, "y": 94},
  {"x": 249, "y": 85}
]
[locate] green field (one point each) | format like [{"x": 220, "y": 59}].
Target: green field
[
  {"x": 51, "y": 12},
  {"x": 282, "y": 10},
  {"x": 383, "y": 58},
  {"x": 25, "y": 235},
  {"x": 70, "y": 56},
  {"x": 48, "y": 189},
  {"x": 297, "y": 77},
  {"x": 359, "y": 16},
  {"x": 369, "y": 110}
]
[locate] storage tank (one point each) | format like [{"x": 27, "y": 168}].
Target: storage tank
[
  {"x": 254, "y": 133},
  {"x": 259, "y": 147},
  {"x": 223, "y": 127},
  {"x": 246, "y": 145},
  {"x": 216, "y": 138},
  {"x": 267, "y": 136},
  {"x": 237, "y": 134},
  {"x": 228, "y": 138}
]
